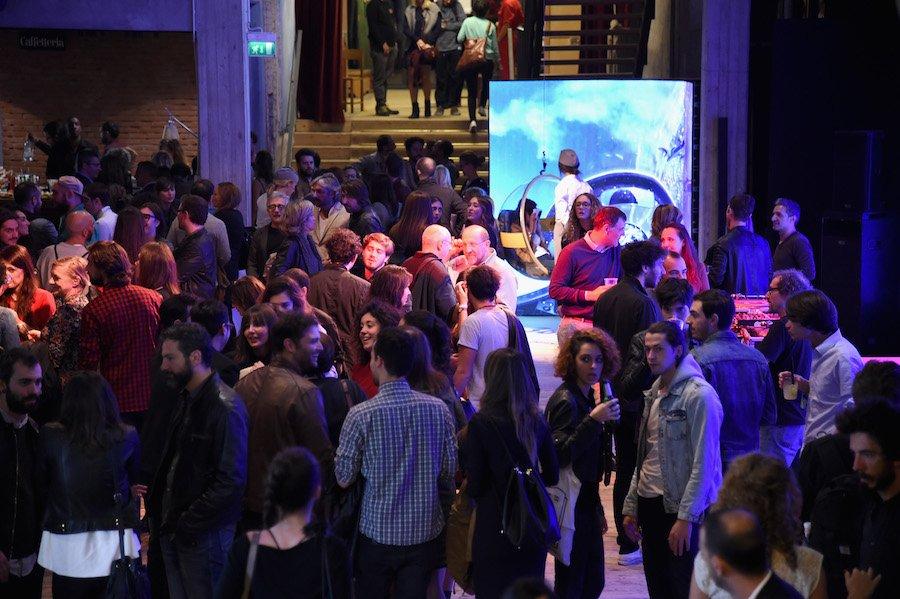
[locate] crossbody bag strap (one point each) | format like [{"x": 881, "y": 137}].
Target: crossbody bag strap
[
  {"x": 346, "y": 387},
  {"x": 251, "y": 564},
  {"x": 513, "y": 334},
  {"x": 117, "y": 501}
]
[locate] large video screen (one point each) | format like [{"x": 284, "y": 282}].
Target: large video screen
[{"x": 633, "y": 140}]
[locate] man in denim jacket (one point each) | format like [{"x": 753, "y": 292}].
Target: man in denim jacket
[{"x": 678, "y": 468}]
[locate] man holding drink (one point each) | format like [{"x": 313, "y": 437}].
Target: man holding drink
[{"x": 784, "y": 438}]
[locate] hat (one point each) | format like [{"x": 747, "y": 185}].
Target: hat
[
  {"x": 286, "y": 174},
  {"x": 568, "y": 158},
  {"x": 71, "y": 183}
]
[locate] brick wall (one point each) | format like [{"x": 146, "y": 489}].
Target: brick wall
[{"x": 123, "y": 77}]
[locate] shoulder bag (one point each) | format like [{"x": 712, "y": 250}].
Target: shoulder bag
[
  {"x": 251, "y": 564},
  {"x": 474, "y": 52},
  {"x": 459, "y": 535},
  {"x": 526, "y": 512},
  {"x": 128, "y": 578}
]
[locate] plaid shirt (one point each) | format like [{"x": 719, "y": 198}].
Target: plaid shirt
[
  {"x": 403, "y": 443},
  {"x": 118, "y": 339}
]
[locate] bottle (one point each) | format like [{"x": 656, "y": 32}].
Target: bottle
[{"x": 28, "y": 151}]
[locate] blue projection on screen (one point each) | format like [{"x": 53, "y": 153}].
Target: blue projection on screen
[{"x": 629, "y": 135}]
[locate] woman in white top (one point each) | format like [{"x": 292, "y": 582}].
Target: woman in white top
[
  {"x": 86, "y": 464},
  {"x": 764, "y": 486}
]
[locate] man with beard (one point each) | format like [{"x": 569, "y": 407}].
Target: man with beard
[
  {"x": 477, "y": 250},
  {"x": 330, "y": 213},
  {"x": 308, "y": 163},
  {"x": 197, "y": 489},
  {"x": 285, "y": 409},
  {"x": 20, "y": 526},
  {"x": 118, "y": 330},
  {"x": 872, "y": 427}
]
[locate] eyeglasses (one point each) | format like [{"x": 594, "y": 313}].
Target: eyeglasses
[
  {"x": 147, "y": 217},
  {"x": 274, "y": 207}
]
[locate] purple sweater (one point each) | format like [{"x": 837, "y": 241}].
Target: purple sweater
[{"x": 579, "y": 269}]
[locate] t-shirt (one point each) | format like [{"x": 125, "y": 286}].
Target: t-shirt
[
  {"x": 484, "y": 331},
  {"x": 650, "y": 483}
]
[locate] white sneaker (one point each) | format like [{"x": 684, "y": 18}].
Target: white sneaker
[
  {"x": 473, "y": 127},
  {"x": 631, "y": 559}
]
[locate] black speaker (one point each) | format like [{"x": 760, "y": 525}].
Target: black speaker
[
  {"x": 860, "y": 272},
  {"x": 857, "y": 170}
]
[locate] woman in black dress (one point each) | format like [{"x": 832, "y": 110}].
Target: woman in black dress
[
  {"x": 293, "y": 560},
  {"x": 509, "y": 418},
  {"x": 226, "y": 199},
  {"x": 581, "y": 441}
]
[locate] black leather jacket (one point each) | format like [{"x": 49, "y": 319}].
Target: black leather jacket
[
  {"x": 740, "y": 262},
  {"x": 79, "y": 485},
  {"x": 210, "y": 464},
  {"x": 296, "y": 251},
  {"x": 580, "y": 440},
  {"x": 195, "y": 258}
]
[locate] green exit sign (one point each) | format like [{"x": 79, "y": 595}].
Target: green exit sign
[{"x": 261, "y": 49}]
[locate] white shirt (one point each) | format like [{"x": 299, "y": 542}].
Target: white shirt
[
  {"x": 262, "y": 213},
  {"x": 325, "y": 225},
  {"x": 85, "y": 554},
  {"x": 51, "y": 254},
  {"x": 760, "y": 586},
  {"x": 105, "y": 225},
  {"x": 483, "y": 332},
  {"x": 650, "y": 483},
  {"x": 508, "y": 293},
  {"x": 834, "y": 365},
  {"x": 804, "y": 577},
  {"x": 568, "y": 188}
]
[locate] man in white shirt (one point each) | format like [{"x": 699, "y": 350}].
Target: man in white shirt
[
  {"x": 569, "y": 187},
  {"x": 811, "y": 315},
  {"x": 80, "y": 228},
  {"x": 330, "y": 213},
  {"x": 96, "y": 202},
  {"x": 477, "y": 251}
]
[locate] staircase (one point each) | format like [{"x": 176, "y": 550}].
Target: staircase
[{"x": 595, "y": 39}]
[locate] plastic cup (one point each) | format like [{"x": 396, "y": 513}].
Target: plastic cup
[{"x": 789, "y": 388}]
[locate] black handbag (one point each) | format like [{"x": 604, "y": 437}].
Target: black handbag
[
  {"x": 128, "y": 577},
  {"x": 527, "y": 512}
]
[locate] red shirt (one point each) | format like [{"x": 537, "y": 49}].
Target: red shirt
[
  {"x": 118, "y": 339},
  {"x": 361, "y": 374},
  {"x": 43, "y": 306}
]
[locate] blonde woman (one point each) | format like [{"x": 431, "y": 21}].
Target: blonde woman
[
  {"x": 298, "y": 250},
  {"x": 69, "y": 283},
  {"x": 155, "y": 269}
]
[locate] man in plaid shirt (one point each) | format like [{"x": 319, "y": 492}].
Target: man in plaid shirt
[
  {"x": 119, "y": 328},
  {"x": 403, "y": 444}
]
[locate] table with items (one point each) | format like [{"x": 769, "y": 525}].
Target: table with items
[{"x": 752, "y": 318}]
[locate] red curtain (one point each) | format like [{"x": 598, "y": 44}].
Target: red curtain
[{"x": 319, "y": 95}]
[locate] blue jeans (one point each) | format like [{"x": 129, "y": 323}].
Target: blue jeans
[
  {"x": 194, "y": 567},
  {"x": 782, "y": 441}
]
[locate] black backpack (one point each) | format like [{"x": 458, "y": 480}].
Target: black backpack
[{"x": 836, "y": 532}]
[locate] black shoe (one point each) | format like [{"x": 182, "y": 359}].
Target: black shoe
[
  {"x": 391, "y": 110},
  {"x": 415, "y": 111},
  {"x": 427, "y": 108},
  {"x": 382, "y": 110},
  {"x": 439, "y": 111}
]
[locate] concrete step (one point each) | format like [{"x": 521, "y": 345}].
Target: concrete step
[
  {"x": 369, "y": 137},
  {"x": 423, "y": 127},
  {"x": 331, "y": 153}
]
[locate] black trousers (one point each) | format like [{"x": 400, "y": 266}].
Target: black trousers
[
  {"x": 668, "y": 575},
  {"x": 626, "y": 455},
  {"x": 26, "y": 587},
  {"x": 406, "y": 568},
  {"x": 448, "y": 90},
  {"x": 584, "y": 577},
  {"x": 471, "y": 76},
  {"x": 65, "y": 587}
]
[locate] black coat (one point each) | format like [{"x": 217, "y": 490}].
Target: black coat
[
  {"x": 238, "y": 239},
  {"x": 296, "y": 251},
  {"x": 208, "y": 448},
  {"x": 20, "y": 528},
  {"x": 78, "y": 485},
  {"x": 195, "y": 258},
  {"x": 740, "y": 262},
  {"x": 264, "y": 239}
]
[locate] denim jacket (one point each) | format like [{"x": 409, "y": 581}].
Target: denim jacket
[
  {"x": 690, "y": 416},
  {"x": 741, "y": 377}
]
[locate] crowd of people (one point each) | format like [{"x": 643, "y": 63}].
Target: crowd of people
[{"x": 370, "y": 357}]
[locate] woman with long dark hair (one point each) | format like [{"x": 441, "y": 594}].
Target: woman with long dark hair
[
  {"x": 438, "y": 334},
  {"x": 391, "y": 284},
  {"x": 252, "y": 346},
  {"x": 576, "y": 416},
  {"x": 407, "y": 232},
  {"x": 156, "y": 269},
  {"x": 263, "y": 173},
  {"x": 87, "y": 462},
  {"x": 675, "y": 238},
  {"x": 508, "y": 424},
  {"x": 20, "y": 290},
  {"x": 663, "y": 216},
  {"x": 317, "y": 564},
  {"x": 481, "y": 212},
  {"x": 154, "y": 223},
  {"x": 225, "y": 199},
  {"x": 425, "y": 378},
  {"x": 129, "y": 232},
  {"x": 581, "y": 218},
  {"x": 374, "y": 316}
]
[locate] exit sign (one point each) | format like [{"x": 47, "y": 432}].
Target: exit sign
[{"x": 261, "y": 44}]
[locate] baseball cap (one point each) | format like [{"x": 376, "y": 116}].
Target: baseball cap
[
  {"x": 286, "y": 174},
  {"x": 71, "y": 183},
  {"x": 568, "y": 158}
]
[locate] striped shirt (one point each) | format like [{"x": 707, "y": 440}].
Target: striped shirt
[{"x": 403, "y": 443}]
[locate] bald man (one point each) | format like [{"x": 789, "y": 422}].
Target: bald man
[
  {"x": 431, "y": 287},
  {"x": 477, "y": 250},
  {"x": 454, "y": 216},
  {"x": 674, "y": 266},
  {"x": 79, "y": 229}
]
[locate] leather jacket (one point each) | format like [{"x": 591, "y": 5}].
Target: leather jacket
[
  {"x": 209, "y": 459},
  {"x": 295, "y": 252},
  {"x": 196, "y": 261},
  {"x": 285, "y": 409},
  {"x": 79, "y": 485},
  {"x": 581, "y": 441},
  {"x": 740, "y": 262}
]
